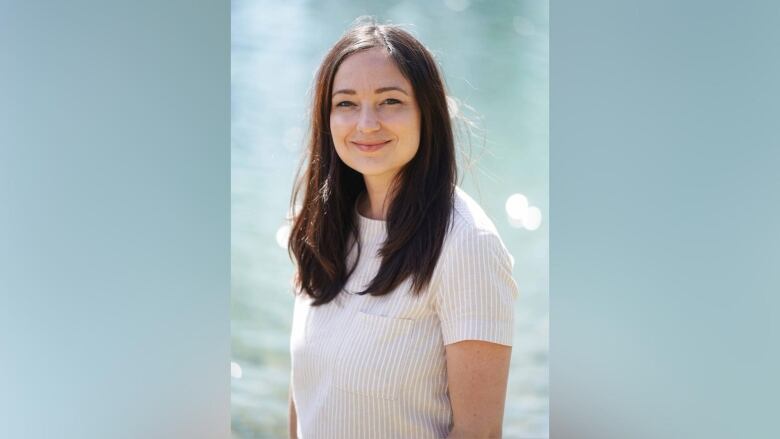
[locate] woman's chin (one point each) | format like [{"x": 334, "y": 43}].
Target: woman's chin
[{"x": 376, "y": 172}]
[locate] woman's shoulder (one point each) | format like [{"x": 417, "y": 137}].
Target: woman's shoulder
[
  {"x": 471, "y": 229},
  {"x": 468, "y": 217},
  {"x": 474, "y": 260}
]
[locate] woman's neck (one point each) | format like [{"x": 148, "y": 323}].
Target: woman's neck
[{"x": 374, "y": 203}]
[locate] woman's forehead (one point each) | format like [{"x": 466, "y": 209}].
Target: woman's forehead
[{"x": 368, "y": 71}]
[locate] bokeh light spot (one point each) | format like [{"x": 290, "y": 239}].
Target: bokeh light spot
[
  {"x": 533, "y": 218},
  {"x": 282, "y": 235},
  {"x": 235, "y": 370}
]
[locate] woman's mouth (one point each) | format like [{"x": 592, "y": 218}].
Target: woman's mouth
[{"x": 370, "y": 146}]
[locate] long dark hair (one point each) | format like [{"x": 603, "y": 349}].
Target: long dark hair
[{"x": 419, "y": 213}]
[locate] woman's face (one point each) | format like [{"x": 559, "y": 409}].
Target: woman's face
[{"x": 374, "y": 119}]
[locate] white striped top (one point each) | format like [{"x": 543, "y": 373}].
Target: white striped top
[{"x": 374, "y": 367}]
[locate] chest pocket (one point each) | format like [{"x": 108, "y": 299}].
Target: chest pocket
[{"x": 373, "y": 359}]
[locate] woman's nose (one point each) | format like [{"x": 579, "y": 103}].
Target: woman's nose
[{"x": 368, "y": 120}]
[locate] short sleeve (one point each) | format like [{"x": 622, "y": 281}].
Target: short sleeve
[{"x": 475, "y": 291}]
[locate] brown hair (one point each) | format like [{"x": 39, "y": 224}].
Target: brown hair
[{"x": 419, "y": 213}]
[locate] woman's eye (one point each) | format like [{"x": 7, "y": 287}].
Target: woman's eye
[{"x": 345, "y": 104}]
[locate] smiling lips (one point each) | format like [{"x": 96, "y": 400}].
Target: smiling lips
[{"x": 370, "y": 146}]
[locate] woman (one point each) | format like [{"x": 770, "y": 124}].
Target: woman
[{"x": 403, "y": 316}]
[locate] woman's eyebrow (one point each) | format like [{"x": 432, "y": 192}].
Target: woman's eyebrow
[{"x": 377, "y": 91}]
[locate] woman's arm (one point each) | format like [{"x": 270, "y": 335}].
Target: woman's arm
[
  {"x": 477, "y": 375},
  {"x": 293, "y": 419}
]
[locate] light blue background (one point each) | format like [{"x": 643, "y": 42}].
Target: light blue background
[
  {"x": 665, "y": 195},
  {"x": 114, "y": 220}
]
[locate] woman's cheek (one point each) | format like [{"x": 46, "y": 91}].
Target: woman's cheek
[
  {"x": 336, "y": 124},
  {"x": 401, "y": 116},
  {"x": 340, "y": 121}
]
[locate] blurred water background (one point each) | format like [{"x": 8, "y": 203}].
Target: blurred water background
[{"x": 494, "y": 56}]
